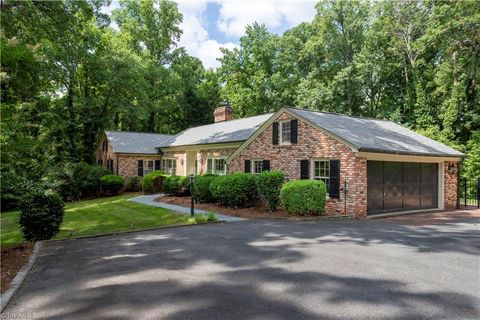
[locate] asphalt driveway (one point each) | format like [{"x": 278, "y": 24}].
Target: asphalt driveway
[{"x": 263, "y": 269}]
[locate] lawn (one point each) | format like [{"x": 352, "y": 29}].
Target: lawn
[{"x": 95, "y": 217}]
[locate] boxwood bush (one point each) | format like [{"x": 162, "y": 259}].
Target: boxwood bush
[
  {"x": 237, "y": 190},
  {"x": 153, "y": 181},
  {"x": 214, "y": 187},
  {"x": 177, "y": 185},
  {"x": 41, "y": 215},
  {"x": 304, "y": 196},
  {"x": 133, "y": 183},
  {"x": 269, "y": 184},
  {"x": 201, "y": 188},
  {"x": 111, "y": 184}
]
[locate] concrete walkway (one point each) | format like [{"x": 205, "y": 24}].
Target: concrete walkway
[{"x": 150, "y": 201}]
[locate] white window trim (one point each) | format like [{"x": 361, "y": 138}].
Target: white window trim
[
  {"x": 252, "y": 169},
  {"x": 214, "y": 159},
  {"x": 312, "y": 171},
  {"x": 146, "y": 170},
  {"x": 172, "y": 170},
  {"x": 280, "y": 136}
]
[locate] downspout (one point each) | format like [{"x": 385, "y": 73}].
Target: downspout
[
  {"x": 458, "y": 184},
  {"x": 117, "y": 164}
]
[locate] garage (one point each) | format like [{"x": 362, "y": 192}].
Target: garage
[{"x": 396, "y": 186}]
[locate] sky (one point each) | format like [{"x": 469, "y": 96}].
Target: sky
[{"x": 209, "y": 25}]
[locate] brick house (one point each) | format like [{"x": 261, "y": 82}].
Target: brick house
[
  {"x": 370, "y": 166},
  {"x": 130, "y": 153}
]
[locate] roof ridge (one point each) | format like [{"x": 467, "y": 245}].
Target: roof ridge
[
  {"x": 339, "y": 114},
  {"x": 229, "y": 121},
  {"x": 142, "y": 132}
]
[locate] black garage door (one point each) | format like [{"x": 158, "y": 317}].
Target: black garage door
[{"x": 396, "y": 186}]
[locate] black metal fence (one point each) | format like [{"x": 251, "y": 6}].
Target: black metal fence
[{"x": 469, "y": 192}]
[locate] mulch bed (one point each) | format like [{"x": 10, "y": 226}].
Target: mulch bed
[
  {"x": 257, "y": 212},
  {"x": 12, "y": 260}
]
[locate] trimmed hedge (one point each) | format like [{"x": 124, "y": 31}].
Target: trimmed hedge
[
  {"x": 269, "y": 184},
  {"x": 201, "y": 189},
  {"x": 133, "y": 183},
  {"x": 214, "y": 187},
  {"x": 236, "y": 189},
  {"x": 177, "y": 185},
  {"x": 111, "y": 184},
  {"x": 304, "y": 196},
  {"x": 41, "y": 215},
  {"x": 153, "y": 181}
]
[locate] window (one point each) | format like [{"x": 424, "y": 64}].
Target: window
[
  {"x": 169, "y": 166},
  {"x": 257, "y": 166},
  {"x": 321, "y": 171},
  {"x": 285, "y": 132},
  {"x": 148, "y": 166},
  {"x": 217, "y": 166}
]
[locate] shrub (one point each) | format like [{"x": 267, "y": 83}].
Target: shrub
[
  {"x": 237, "y": 190},
  {"x": 40, "y": 215},
  {"x": 176, "y": 185},
  {"x": 212, "y": 216},
  {"x": 133, "y": 184},
  {"x": 75, "y": 181},
  {"x": 214, "y": 187},
  {"x": 153, "y": 181},
  {"x": 13, "y": 187},
  {"x": 304, "y": 196},
  {"x": 201, "y": 189},
  {"x": 201, "y": 218},
  {"x": 111, "y": 184},
  {"x": 87, "y": 178},
  {"x": 269, "y": 184}
]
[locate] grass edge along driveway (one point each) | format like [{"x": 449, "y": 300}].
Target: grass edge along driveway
[{"x": 96, "y": 217}]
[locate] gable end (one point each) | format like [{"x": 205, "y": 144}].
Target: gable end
[{"x": 274, "y": 118}]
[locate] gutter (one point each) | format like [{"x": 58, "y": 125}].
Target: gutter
[{"x": 373, "y": 150}]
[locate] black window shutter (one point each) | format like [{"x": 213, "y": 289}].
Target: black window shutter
[
  {"x": 157, "y": 164},
  {"x": 266, "y": 165},
  {"x": 247, "y": 166},
  {"x": 294, "y": 129},
  {"x": 334, "y": 190},
  {"x": 140, "y": 168},
  {"x": 275, "y": 133},
  {"x": 304, "y": 169},
  {"x": 111, "y": 164}
]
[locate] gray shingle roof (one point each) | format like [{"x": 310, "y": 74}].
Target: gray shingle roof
[
  {"x": 221, "y": 132},
  {"x": 135, "y": 142},
  {"x": 377, "y": 135}
]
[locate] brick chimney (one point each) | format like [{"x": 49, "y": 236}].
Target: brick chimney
[{"x": 223, "y": 112}]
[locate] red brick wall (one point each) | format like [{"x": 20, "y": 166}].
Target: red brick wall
[
  {"x": 128, "y": 164},
  {"x": 450, "y": 185},
  {"x": 105, "y": 155},
  {"x": 312, "y": 143}
]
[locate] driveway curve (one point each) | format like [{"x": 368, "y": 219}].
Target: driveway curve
[{"x": 263, "y": 269}]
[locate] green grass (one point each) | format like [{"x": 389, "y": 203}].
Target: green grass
[{"x": 95, "y": 217}]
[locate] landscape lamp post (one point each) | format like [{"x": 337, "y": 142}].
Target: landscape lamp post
[{"x": 192, "y": 204}]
